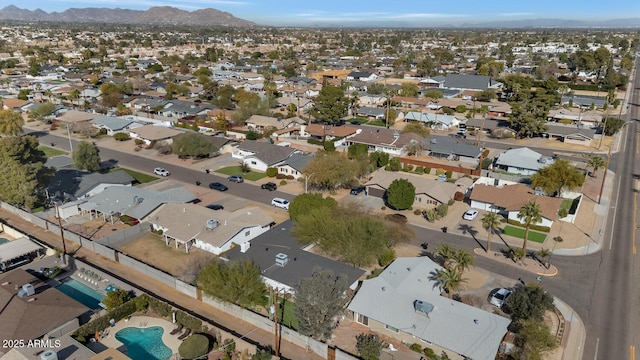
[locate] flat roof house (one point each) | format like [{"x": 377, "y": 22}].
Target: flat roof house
[{"x": 404, "y": 303}]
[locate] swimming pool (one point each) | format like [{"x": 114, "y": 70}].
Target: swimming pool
[
  {"x": 81, "y": 293},
  {"x": 144, "y": 343},
  {"x": 3, "y": 240}
]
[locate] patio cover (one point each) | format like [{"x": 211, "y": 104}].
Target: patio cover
[{"x": 16, "y": 248}]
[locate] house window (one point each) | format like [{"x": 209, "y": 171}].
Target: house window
[
  {"x": 247, "y": 233},
  {"x": 254, "y": 162},
  {"x": 362, "y": 319},
  {"x": 391, "y": 328}
]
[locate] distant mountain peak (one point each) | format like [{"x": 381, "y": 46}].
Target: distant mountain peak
[{"x": 158, "y": 15}]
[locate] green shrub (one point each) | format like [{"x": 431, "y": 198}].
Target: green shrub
[
  {"x": 460, "y": 109},
  {"x": 194, "y": 346},
  {"x": 139, "y": 142},
  {"x": 121, "y": 136},
  {"x": 419, "y": 169},
  {"x": 532, "y": 227},
  {"x": 409, "y": 167},
  {"x": 416, "y": 347},
  {"x": 141, "y": 303},
  {"x": 427, "y": 170},
  {"x": 89, "y": 329},
  {"x": 272, "y": 172},
  {"x": 485, "y": 163},
  {"x": 439, "y": 171},
  {"x": 375, "y": 272},
  {"x": 189, "y": 321},
  {"x": 394, "y": 164},
  {"x": 386, "y": 257},
  {"x": 283, "y": 182},
  {"x": 458, "y": 196},
  {"x": 417, "y": 212},
  {"x": 160, "y": 307},
  {"x": 428, "y": 352},
  {"x": 448, "y": 173}
]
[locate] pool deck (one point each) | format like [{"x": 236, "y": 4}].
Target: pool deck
[{"x": 143, "y": 322}]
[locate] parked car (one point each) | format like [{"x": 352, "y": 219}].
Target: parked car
[
  {"x": 280, "y": 203},
  {"x": 215, "y": 207},
  {"x": 499, "y": 298},
  {"x": 470, "y": 214},
  {"x": 218, "y": 186},
  {"x": 235, "y": 178},
  {"x": 396, "y": 218},
  {"x": 271, "y": 186},
  {"x": 161, "y": 171},
  {"x": 357, "y": 190}
]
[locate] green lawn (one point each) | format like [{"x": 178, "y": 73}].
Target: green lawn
[
  {"x": 358, "y": 119},
  {"x": 566, "y": 204},
  {"x": 51, "y": 152},
  {"x": 140, "y": 177},
  {"x": 377, "y": 123},
  {"x": 519, "y": 233},
  {"x": 235, "y": 170}
]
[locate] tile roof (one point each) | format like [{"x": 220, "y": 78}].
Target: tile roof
[
  {"x": 514, "y": 197},
  {"x": 339, "y": 131},
  {"x": 152, "y": 132}
]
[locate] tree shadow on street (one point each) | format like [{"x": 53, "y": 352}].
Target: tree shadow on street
[{"x": 466, "y": 229}]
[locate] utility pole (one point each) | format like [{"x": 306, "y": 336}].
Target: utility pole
[
  {"x": 64, "y": 244},
  {"x": 275, "y": 322}
]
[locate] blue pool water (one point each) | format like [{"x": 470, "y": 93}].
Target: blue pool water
[
  {"x": 81, "y": 293},
  {"x": 144, "y": 343},
  {"x": 3, "y": 240}
]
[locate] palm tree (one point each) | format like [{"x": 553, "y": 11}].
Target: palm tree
[
  {"x": 596, "y": 162},
  {"x": 449, "y": 280},
  {"x": 491, "y": 222},
  {"x": 530, "y": 214},
  {"x": 446, "y": 252},
  {"x": 462, "y": 259},
  {"x": 10, "y": 122},
  {"x": 74, "y": 95}
]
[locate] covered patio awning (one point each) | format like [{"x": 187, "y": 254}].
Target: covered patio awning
[{"x": 17, "y": 248}]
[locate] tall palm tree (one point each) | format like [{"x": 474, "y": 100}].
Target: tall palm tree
[
  {"x": 596, "y": 162},
  {"x": 11, "y": 123},
  {"x": 449, "y": 280},
  {"x": 491, "y": 222},
  {"x": 463, "y": 259},
  {"x": 530, "y": 214},
  {"x": 544, "y": 255}
]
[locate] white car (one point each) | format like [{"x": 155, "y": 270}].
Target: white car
[
  {"x": 280, "y": 203},
  {"x": 470, "y": 214},
  {"x": 161, "y": 171},
  {"x": 500, "y": 297}
]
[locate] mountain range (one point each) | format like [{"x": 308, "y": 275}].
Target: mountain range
[
  {"x": 163, "y": 15},
  {"x": 167, "y": 15}
]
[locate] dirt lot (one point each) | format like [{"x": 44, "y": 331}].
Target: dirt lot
[
  {"x": 152, "y": 250},
  {"x": 95, "y": 229}
]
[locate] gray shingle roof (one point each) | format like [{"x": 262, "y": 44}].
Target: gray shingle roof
[
  {"x": 301, "y": 263},
  {"x": 73, "y": 184},
  {"x": 524, "y": 158},
  {"x": 391, "y": 299},
  {"x": 270, "y": 154},
  {"x": 298, "y": 161},
  {"x": 447, "y": 145},
  {"x": 472, "y": 82},
  {"x": 111, "y": 122},
  {"x": 371, "y": 111}
]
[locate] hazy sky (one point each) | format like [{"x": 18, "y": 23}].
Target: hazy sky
[{"x": 343, "y": 12}]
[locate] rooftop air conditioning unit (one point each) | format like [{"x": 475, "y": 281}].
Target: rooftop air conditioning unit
[
  {"x": 212, "y": 224},
  {"x": 27, "y": 290},
  {"x": 282, "y": 259},
  {"x": 422, "y": 307},
  {"x": 49, "y": 355}
]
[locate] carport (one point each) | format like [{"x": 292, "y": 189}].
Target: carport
[{"x": 13, "y": 251}]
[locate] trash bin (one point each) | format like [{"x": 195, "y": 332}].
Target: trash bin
[{"x": 444, "y": 229}]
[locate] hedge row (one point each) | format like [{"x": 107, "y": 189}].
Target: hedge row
[
  {"x": 531, "y": 227},
  {"x": 89, "y": 329}
]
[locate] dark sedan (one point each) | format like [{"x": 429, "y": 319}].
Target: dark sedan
[{"x": 218, "y": 186}]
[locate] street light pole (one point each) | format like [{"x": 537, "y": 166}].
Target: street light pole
[
  {"x": 69, "y": 135},
  {"x": 604, "y": 176}
]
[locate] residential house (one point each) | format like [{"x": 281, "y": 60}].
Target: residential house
[
  {"x": 294, "y": 165},
  {"x": 75, "y": 117},
  {"x": 411, "y": 102},
  {"x": 429, "y": 192},
  {"x": 509, "y": 199},
  {"x": 13, "y": 104},
  {"x": 434, "y": 121},
  {"x": 362, "y": 76},
  {"x": 404, "y": 303},
  {"x": 584, "y": 101},
  {"x": 467, "y": 82},
  {"x": 386, "y": 140},
  {"x": 179, "y": 109},
  {"x": 213, "y": 231},
  {"x": 523, "y": 161},
  {"x": 152, "y": 133},
  {"x": 261, "y": 123},
  {"x": 132, "y": 201},
  {"x": 581, "y": 118},
  {"x": 368, "y": 99},
  {"x": 284, "y": 262},
  {"x": 302, "y": 81},
  {"x": 262, "y": 155},
  {"x": 452, "y": 149},
  {"x": 301, "y": 104},
  {"x": 571, "y": 134},
  {"x": 114, "y": 124},
  {"x": 372, "y": 112},
  {"x": 34, "y": 309},
  {"x": 71, "y": 184}
]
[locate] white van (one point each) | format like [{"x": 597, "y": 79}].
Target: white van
[{"x": 281, "y": 203}]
